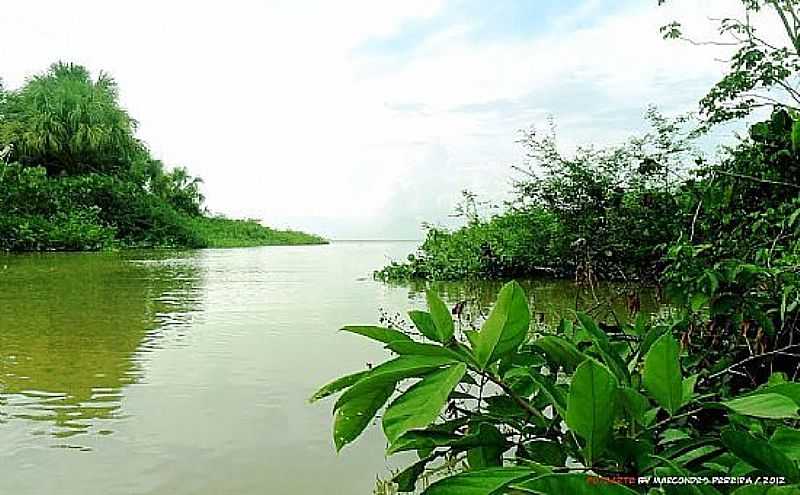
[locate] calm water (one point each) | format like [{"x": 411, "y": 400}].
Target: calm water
[{"x": 188, "y": 372}]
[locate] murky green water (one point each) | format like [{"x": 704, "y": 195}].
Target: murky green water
[{"x": 188, "y": 373}]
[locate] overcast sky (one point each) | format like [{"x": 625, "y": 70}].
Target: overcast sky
[{"x": 362, "y": 119}]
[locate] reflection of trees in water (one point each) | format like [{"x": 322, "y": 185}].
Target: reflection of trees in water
[
  {"x": 549, "y": 299},
  {"x": 72, "y": 324}
]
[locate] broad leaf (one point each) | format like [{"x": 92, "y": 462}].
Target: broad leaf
[
  {"x": 572, "y": 484},
  {"x": 688, "y": 388},
  {"x": 431, "y": 439},
  {"x": 507, "y": 325},
  {"x": 424, "y": 323},
  {"x": 353, "y": 415},
  {"x": 381, "y": 334},
  {"x": 392, "y": 372},
  {"x": 788, "y": 389},
  {"x": 482, "y": 482},
  {"x": 634, "y": 404},
  {"x": 358, "y": 405},
  {"x": 673, "y": 435},
  {"x": 406, "y": 479},
  {"x": 673, "y": 469},
  {"x": 420, "y": 405},
  {"x": 606, "y": 351},
  {"x": 560, "y": 351},
  {"x": 544, "y": 452},
  {"x": 490, "y": 453},
  {"x": 760, "y": 454},
  {"x": 770, "y": 406},
  {"x": 591, "y": 406},
  {"x": 787, "y": 440},
  {"x": 337, "y": 385},
  {"x": 554, "y": 394},
  {"x": 662, "y": 373},
  {"x": 441, "y": 317},
  {"x": 421, "y": 349}
]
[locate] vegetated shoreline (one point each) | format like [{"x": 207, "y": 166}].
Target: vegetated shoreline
[{"x": 74, "y": 177}]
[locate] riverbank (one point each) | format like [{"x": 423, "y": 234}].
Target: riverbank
[
  {"x": 221, "y": 232},
  {"x": 75, "y": 177}
]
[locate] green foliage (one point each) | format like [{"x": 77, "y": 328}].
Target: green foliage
[
  {"x": 662, "y": 373},
  {"x": 599, "y": 213},
  {"x": 221, "y": 232},
  {"x": 69, "y": 123},
  {"x": 80, "y": 180},
  {"x": 509, "y": 423},
  {"x": 515, "y": 243},
  {"x": 762, "y": 68},
  {"x": 710, "y": 390},
  {"x": 590, "y": 407}
]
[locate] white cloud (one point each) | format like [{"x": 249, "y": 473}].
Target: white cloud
[{"x": 274, "y": 105}]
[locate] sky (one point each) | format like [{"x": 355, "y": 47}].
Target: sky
[{"x": 362, "y": 119}]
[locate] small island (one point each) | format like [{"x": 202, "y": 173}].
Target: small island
[{"x": 74, "y": 177}]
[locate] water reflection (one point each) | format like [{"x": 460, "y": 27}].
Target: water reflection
[{"x": 71, "y": 330}]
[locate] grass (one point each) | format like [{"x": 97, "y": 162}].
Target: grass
[{"x": 220, "y": 232}]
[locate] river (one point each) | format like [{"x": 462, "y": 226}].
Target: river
[{"x": 169, "y": 373}]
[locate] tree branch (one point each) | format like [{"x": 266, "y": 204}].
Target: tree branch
[{"x": 777, "y": 352}]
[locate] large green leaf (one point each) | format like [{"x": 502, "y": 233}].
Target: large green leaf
[
  {"x": 489, "y": 453},
  {"x": 545, "y": 452},
  {"x": 572, "y": 484},
  {"x": 481, "y": 482},
  {"x": 420, "y": 405},
  {"x": 392, "y": 372},
  {"x": 768, "y": 405},
  {"x": 431, "y": 439},
  {"x": 441, "y": 317},
  {"x": 673, "y": 469},
  {"x": 424, "y": 323},
  {"x": 560, "y": 351},
  {"x": 554, "y": 394},
  {"x": 591, "y": 406},
  {"x": 787, "y": 440},
  {"x": 634, "y": 404},
  {"x": 606, "y": 351},
  {"x": 381, "y": 334},
  {"x": 354, "y": 414},
  {"x": 358, "y": 405},
  {"x": 337, "y": 385},
  {"x": 406, "y": 480},
  {"x": 760, "y": 454},
  {"x": 662, "y": 373},
  {"x": 422, "y": 349},
  {"x": 788, "y": 389},
  {"x": 507, "y": 325}
]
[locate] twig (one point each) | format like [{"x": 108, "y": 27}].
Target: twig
[
  {"x": 514, "y": 396},
  {"x": 729, "y": 369},
  {"x": 756, "y": 179}
]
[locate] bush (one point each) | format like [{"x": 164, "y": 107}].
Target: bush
[
  {"x": 574, "y": 409},
  {"x": 595, "y": 214},
  {"x": 76, "y": 230},
  {"x": 221, "y": 232},
  {"x": 516, "y": 243}
]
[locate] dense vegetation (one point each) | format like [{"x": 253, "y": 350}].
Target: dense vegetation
[
  {"x": 602, "y": 213},
  {"x": 73, "y": 176},
  {"x": 706, "y": 393}
]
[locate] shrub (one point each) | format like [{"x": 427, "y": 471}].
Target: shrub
[{"x": 501, "y": 410}]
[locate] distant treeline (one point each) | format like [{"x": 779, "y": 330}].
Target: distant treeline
[{"x": 73, "y": 176}]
